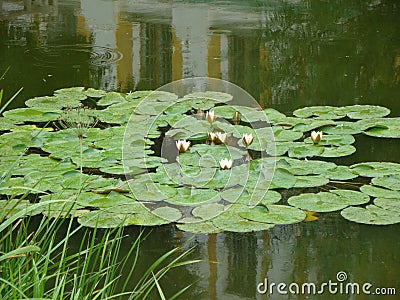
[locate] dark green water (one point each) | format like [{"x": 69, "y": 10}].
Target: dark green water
[{"x": 286, "y": 54}]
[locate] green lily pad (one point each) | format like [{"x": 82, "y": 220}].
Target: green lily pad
[
  {"x": 231, "y": 221},
  {"x": 391, "y": 204},
  {"x": 342, "y": 128},
  {"x": 301, "y": 150},
  {"x": 13, "y": 206},
  {"x": 193, "y": 197},
  {"x": 389, "y": 181},
  {"x": 372, "y": 215},
  {"x": 199, "y": 227},
  {"x": 216, "y": 96},
  {"x": 275, "y": 214},
  {"x": 375, "y": 191},
  {"x": 209, "y": 210},
  {"x": 375, "y": 169},
  {"x": 340, "y": 151},
  {"x": 322, "y": 112},
  {"x": 168, "y": 213},
  {"x": 385, "y": 128},
  {"x": 111, "y": 98},
  {"x": 365, "y": 111},
  {"x": 28, "y": 114},
  {"x": 305, "y": 181},
  {"x": 328, "y": 201},
  {"x": 151, "y": 191},
  {"x": 53, "y": 102},
  {"x": 283, "y": 179},
  {"x": 339, "y": 173}
]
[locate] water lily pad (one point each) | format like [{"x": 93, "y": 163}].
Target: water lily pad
[
  {"x": 340, "y": 151},
  {"x": 375, "y": 169},
  {"x": 199, "y": 227},
  {"x": 13, "y": 206},
  {"x": 275, "y": 214},
  {"x": 283, "y": 135},
  {"x": 168, "y": 213},
  {"x": 301, "y": 150},
  {"x": 372, "y": 215},
  {"x": 216, "y": 96},
  {"x": 342, "y": 127},
  {"x": 71, "y": 93},
  {"x": 389, "y": 181},
  {"x": 28, "y": 114},
  {"x": 111, "y": 98},
  {"x": 52, "y": 102},
  {"x": 209, "y": 210},
  {"x": 391, "y": 204},
  {"x": 91, "y": 92},
  {"x": 305, "y": 181},
  {"x": 283, "y": 179},
  {"x": 323, "y": 112},
  {"x": 328, "y": 201},
  {"x": 386, "y": 128},
  {"x": 232, "y": 221},
  {"x": 193, "y": 197},
  {"x": 151, "y": 191},
  {"x": 339, "y": 173},
  {"x": 364, "y": 111},
  {"x": 103, "y": 219},
  {"x": 375, "y": 191}
]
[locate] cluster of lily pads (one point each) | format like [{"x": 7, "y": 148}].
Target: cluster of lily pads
[{"x": 151, "y": 158}]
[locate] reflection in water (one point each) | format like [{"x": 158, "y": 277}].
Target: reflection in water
[{"x": 287, "y": 54}]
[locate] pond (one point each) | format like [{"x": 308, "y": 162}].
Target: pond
[{"x": 287, "y": 55}]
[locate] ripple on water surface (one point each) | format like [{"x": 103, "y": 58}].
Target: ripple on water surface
[{"x": 75, "y": 55}]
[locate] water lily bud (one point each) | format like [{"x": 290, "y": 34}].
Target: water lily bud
[
  {"x": 210, "y": 116},
  {"x": 182, "y": 145},
  {"x": 247, "y": 139},
  {"x": 236, "y": 118},
  {"x": 225, "y": 163},
  {"x": 316, "y": 136},
  {"x": 221, "y": 137}
]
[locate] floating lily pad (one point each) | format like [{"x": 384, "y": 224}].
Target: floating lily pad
[
  {"x": 344, "y": 150},
  {"x": 305, "y": 181},
  {"x": 364, "y": 111},
  {"x": 328, "y": 201},
  {"x": 199, "y": 227},
  {"x": 232, "y": 221},
  {"x": 385, "y": 128},
  {"x": 33, "y": 115},
  {"x": 53, "y": 102},
  {"x": 375, "y": 169},
  {"x": 193, "y": 197},
  {"x": 168, "y": 213},
  {"x": 13, "y": 206},
  {"x": 375, "y": 191},
  {"x": 275, "y": 214},
  {"x": 323, "y": 112},
  {"x": 209, "y": 210},
  {"x": 372, "y": 215},
  {"x": 111, "y": 98},
  {"x": 216, "y": 96},
  {"x": 389, "y": 181}
]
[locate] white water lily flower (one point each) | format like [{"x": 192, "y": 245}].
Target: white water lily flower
[
  {"x": 182, "y": 145},
  {"x": 225, "y": 163},
  {"x": 210, "y": 116},
  {"x": 212, "y": 136},
  {"x": 221, "y": 137},
  {"x": 316, "y": 136},
  {"x": 247, "y": 139}
]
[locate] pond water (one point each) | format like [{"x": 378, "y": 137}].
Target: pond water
[{"x": 286, "y": 54}]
